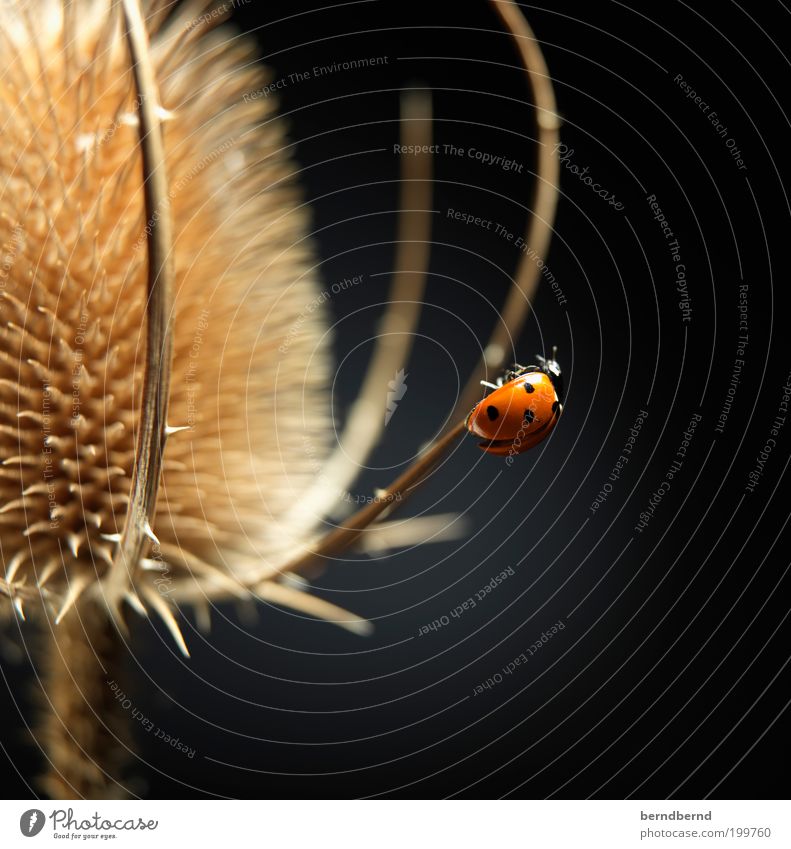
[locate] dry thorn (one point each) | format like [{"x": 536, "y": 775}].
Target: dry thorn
[{"x": 162, "y": 609}]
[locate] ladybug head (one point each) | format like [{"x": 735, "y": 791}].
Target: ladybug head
[{"x": 551, "y": 369}]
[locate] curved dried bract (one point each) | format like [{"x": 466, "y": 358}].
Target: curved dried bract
[
  {"x": 499, "y": 350},
  {"x": 366, "y": 415},
  {"x": 152, "y": 429}
]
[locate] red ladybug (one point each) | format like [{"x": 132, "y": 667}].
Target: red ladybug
[{"x": 523, "y": 409}]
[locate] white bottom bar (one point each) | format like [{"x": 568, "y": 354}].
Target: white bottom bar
[{"x": 398, "y": 824}]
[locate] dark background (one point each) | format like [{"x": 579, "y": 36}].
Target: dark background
[{"x": 669, "y": 677}]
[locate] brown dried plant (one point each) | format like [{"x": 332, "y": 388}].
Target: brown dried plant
[{"x": 153, "y": 263}]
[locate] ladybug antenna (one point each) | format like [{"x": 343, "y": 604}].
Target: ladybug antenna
[{"x": 552, "y": 369}]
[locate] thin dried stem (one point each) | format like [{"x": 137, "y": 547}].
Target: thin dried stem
[
  {"x": 366, "y": 416},
  {"x": 159, "y": 335},
  {"x": 387, "y": 499},
  {"x": 544, "y": 204}
]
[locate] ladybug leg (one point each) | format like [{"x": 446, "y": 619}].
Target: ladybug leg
[
  {"x": 517, "y": 370},
  {"x": 510, "y": 373},
  {"x": 490, "y": 385}
]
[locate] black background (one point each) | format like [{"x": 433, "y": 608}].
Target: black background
[{"x": 669, "y": 677}]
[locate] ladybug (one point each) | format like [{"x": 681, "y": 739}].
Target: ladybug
[{"x": 522, "y": 410}]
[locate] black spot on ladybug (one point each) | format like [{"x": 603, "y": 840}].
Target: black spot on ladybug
[
  {"x": 492, "y": 412},
  {"x": 529, "y": 416},
  {"x": 529, "y": 388},
  {"x": 555, "y": 406}
]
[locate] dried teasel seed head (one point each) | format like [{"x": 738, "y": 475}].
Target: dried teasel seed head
[{"x": 73, "y": 266}]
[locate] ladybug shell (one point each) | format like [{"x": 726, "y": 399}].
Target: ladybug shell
[{"x": 516, "y": 416}]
